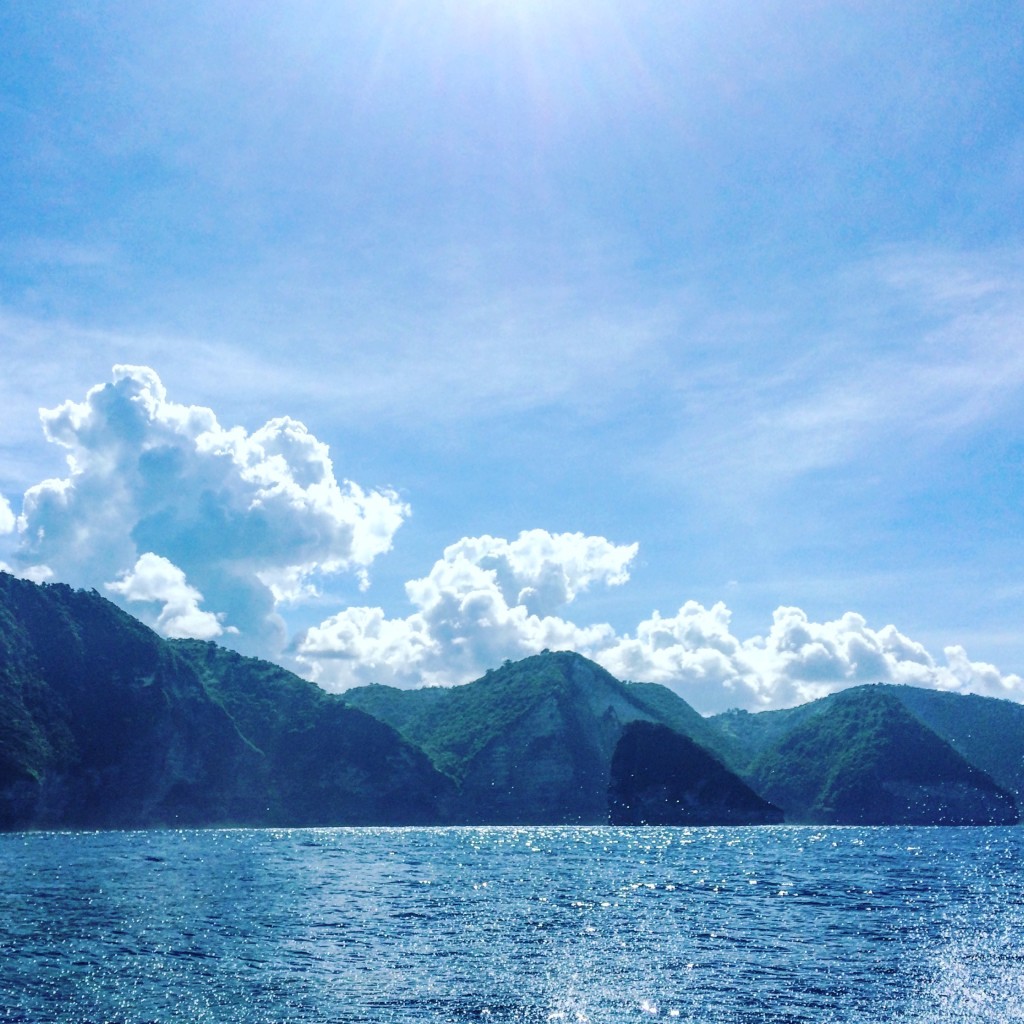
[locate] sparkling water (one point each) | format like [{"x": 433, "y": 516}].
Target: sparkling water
[{"x": 772, "y": 924}]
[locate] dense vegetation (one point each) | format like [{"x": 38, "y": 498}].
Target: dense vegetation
[
  {"x": 455, "y": 724},
  {"x": 324, "y": 762},
  {"x": 669, "y": 708},
  {"x": 861, "y": 758},
  {"x": 101, "y": 724},
  {"x": 105, "y": 724},
  {"x": 989, "y": 733}
]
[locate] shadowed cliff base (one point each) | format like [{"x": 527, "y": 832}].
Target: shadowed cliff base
[{"x": 659, "y": 777}]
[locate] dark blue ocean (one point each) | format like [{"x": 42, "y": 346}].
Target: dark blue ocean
[{"x": 751, "y": 925}]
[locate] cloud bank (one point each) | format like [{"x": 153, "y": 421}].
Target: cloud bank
[
  {"x": 487, "y": 599},
  {"x": 696, "y": 654},
  {"x": 207, "y": 531}
]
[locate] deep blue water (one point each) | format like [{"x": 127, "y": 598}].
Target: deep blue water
[{"x": 779, "y": 924}]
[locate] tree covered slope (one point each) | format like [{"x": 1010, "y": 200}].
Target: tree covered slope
[
  {"x": 105, "y": 724},
  {"x": 860, "y": 757},
  {"x": 986, "y": 731}
]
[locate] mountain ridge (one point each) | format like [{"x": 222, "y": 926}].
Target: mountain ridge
[
  {"x": 105, "y": 724},
  {"x": 865, "y": 759}
]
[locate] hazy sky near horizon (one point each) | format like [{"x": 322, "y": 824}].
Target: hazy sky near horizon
[{"x": 389, "y": 340}]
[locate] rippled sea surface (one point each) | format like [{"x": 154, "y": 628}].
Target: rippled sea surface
[{"x": 514, "y": 924}]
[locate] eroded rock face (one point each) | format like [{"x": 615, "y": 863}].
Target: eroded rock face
[{"x": 659, "y": 777}]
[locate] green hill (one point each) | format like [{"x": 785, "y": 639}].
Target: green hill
[
  {"x": 103, "y": 724},
  {"x": 986, "y": 731},
  {"x": 533, "y": 741},
  {"x": 325, "y": 763},
  {"x": 742, "y": 736},
  {"x": 860, "y": 757}
]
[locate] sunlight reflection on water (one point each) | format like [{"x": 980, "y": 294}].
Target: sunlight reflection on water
[{"x": 777, "y": 924}]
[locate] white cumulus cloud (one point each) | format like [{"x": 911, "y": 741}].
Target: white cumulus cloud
[
  {"x": 205, "y": 530},
  {"x": 796, "y": 660},
  {"x": 155, "y": 581},
  {"x": 485, "y": 600},
  {"x": 7, "y": 520},
  {"x": 251, "y": 519}
]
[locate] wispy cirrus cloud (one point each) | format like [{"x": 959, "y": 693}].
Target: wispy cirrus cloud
[{"x": 897, "y": 356}]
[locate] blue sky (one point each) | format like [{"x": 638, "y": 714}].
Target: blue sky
[{"x": 587, "y": 310}]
